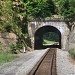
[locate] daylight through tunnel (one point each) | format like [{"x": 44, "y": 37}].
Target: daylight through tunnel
[{"x": 47, "y": 37}]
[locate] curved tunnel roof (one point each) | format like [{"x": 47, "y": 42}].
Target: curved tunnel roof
[{"x": 39, "y": 36}]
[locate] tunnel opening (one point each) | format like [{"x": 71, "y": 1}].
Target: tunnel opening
[{"x": 47, "y": 37}]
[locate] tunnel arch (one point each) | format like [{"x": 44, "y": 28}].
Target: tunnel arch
[{"x": 38, "y": 37}]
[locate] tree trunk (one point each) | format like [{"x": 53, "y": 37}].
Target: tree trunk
[
  {"x": 27, "y": 47},
  {"x": 22, "y": 39}
]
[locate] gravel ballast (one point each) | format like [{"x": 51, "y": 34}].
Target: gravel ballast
[
  {"x": 63, "y": 64},
  {"x": 22, "y": 65}
]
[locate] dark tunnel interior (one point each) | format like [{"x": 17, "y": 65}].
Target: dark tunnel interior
[{"x": 38, "y": 37}]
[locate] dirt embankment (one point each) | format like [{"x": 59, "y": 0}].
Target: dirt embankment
[{"x": 7, "y": 39}]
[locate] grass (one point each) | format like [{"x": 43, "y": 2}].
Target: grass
[
  {"x": 47, "y": 42},
  {"x": 6, "y": 57},
  {"x": 72, "y": 53}
]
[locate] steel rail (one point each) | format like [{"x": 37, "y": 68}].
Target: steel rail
[{"x": 46, "y": 66}]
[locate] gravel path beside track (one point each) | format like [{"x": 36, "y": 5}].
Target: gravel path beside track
[
  {"x": 64, "y": 66},
  {"x": 22, "y": 65}
]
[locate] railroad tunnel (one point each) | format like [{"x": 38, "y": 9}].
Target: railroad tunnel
[{"x": 44, "y": 33}]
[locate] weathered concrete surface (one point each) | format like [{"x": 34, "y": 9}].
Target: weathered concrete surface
[
  {"x": 57, "y": 23},
  {"x": 22, "y": 65}
]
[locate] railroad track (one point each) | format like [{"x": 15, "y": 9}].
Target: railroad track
[{"x": 47, "y": 64}]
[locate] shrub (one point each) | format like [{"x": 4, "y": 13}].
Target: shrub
[
  {"x": 16, "y": 47},
  {"x": 72, "y": 53},
  {"x": 6, "y": 56},
  {"x": 13, "y": 48}
]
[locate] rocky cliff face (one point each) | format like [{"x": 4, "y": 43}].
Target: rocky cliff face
[
  {"x": 72, "y": 39},
  {"x": 6, "y": 39}
]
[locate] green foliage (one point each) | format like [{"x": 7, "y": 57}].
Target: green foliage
[
  {"x": 67, "y": 9},
  {"x": 68, "y": 12},
  {"x": 16, "y": 47},
  {"x": 15, "y": 15},
  {"x": 6, "y": 57},
  {"x": 48, "y": 42},
  {"x": 5, "y": 15},
  {"x": 1, "y": 48},
  {"x": 38, "y": 8},
  {"x": 13, "y": 48},
  {"x": 72, "y": 53},
  {"x": 52, "y": 36}
]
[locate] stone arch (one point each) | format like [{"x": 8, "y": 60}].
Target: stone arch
[
  {"x": 58, "y": 25},
  {"x": 38, "y": 36}
]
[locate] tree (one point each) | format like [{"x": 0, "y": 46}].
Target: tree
[
  {"x": 10, "y": 20},
  {"x": 15, "y": 15},
  {"x": 39, "y": 8},
  {"x": 29, "y": 9},
  {"x": 67, "y": 9},
  {"x": 5, "y": 15},
  {"x": 69, "y": 13}
]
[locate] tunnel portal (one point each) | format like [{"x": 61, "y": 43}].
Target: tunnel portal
[{"x": 38, "y": 37}]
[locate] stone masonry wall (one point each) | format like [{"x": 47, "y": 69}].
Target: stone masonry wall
[{"x": 59, "y": 24}]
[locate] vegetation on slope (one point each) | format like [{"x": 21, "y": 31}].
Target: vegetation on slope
[
  {"x": 15, "y": 15},
  {"x": 66, "y": 8},
  {"x": 6, "y": 57},
  {"x": 72, "y": 52}
]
